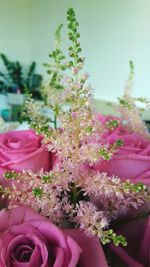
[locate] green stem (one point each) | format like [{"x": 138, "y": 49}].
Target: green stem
[
  {"x": 75, "y": 194},
  {"x": 55, "y": 121}
]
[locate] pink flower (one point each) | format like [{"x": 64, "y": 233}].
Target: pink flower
[
  {"x": 137, "y": 252},
  {"x": 28, "y": 239},
  {"x": 132, "y": 161},
  {"x": 23, "y": 150}
]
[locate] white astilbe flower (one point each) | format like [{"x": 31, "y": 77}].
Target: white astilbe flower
[
  {"x": 132, "y": 115},
  {"x": 128, "y": 109},
  {"x": 53, "y": 96},
  {"x": 33, "y": 108}
]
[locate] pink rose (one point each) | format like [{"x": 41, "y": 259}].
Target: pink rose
[
  {"x": 27, "y": 239},
  {"x": 132, "y": 161},
  {"x": 23, "y": 150},
  {"x": 137, "y": 252}
]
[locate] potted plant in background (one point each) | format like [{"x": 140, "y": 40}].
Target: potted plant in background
[{"x": 15, "y": 83}]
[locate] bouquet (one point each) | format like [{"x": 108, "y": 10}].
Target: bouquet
[{"x": 75, "y": 186}]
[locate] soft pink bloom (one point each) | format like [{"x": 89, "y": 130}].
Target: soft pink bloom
[
  {"x": 23, "y": 150},
  {"x": 137, "y": 252},
  {"x": 27, "y": 239},
  {"x": 132, "y": 161}
]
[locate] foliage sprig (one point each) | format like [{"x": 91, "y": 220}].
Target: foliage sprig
[{"x": 73, "y": 34}]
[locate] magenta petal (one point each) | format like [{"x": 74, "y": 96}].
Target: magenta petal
[
  {"x": 54, "y": 237},
  {"x": 23, "y": 150},
  {"x": 144, "y": 252},
  {"x": 40, "y": 254},
  {"x": 59, "y": 257},
  {"x": 76, "y": 251},
  {"x": 125, "y": 257},
  {"x": 132, "y": 160},
  {"x": 12, "y": 246},
  {"x": 137, "y": 252},
  {"x": 92, "y": 253},
  {"x": 21, "y": 264},
  {"x": 17, "y": 216}
]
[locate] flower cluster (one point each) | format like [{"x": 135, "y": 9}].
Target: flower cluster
[{"x": 75, "y": 183}]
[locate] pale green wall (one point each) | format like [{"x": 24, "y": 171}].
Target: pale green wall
[
  {"x": 14, "y": 30},
  {"x": 112, "y": 33}
]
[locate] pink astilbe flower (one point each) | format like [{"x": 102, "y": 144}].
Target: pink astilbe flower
[
  {"x": 108, "y": 192},
  {"x": 90, "y": 219},
  {"x": 34, "y": 190}
]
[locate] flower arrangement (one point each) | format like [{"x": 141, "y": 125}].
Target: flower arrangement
[{"x": 77, "y": 193}]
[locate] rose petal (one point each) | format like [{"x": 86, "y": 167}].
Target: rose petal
[
  {"x": 75, "y": 251},
  {"x": 92, "y": 253},
  {"x": 137, "y": 252},
  {"x": 23, "y": 150},
  {"x": 132, "y": 160}
]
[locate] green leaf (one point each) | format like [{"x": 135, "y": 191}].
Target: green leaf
[{"x": 37, "y": 192}]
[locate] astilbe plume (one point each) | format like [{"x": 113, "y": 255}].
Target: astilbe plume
[
  {"x": 129, "y": 110},
  {"x": 112, "y": 195},
  {"x": 72, "y": 193},
  {"x": 44, "y": 113}
]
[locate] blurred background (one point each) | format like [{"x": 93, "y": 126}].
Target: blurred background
[{"x": 112, "y": 33}]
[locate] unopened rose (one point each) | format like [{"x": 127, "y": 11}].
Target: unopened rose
[
  {"x": 23, "y": 150},
  {"x": 137, "y": 252},
  {"x": 132, "y": 161},
  {"x": 28, "y": 239}
]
